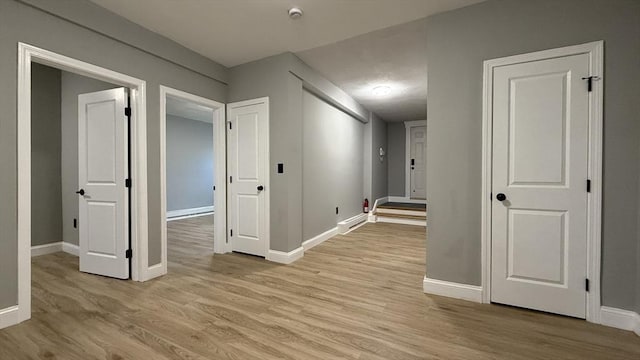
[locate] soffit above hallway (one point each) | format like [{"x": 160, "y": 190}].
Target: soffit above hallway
[{"x": 233, "y": 32}]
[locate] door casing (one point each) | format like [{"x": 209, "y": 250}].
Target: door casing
[
  {"x": 595, "y": 50},
  {"x": 28, "y": 54}
]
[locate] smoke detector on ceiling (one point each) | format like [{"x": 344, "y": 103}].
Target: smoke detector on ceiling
[{"x": 295, "y": 13}]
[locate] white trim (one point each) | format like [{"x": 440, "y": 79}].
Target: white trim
[
  {"x": 190, "y": 216},
  {"x": 45, "y": 249},
  {"x": 317, "y": 240},
  {"x": 282, "y": 257},
  {"x": 379, "y": 201},
  {"x": 139, "y": 239},
  {"x": 346, "y": 225},
  {"x": 228, "y": 247},
  {"x": 220, "y": 159},
  {"x": 451, "y": 289},
  {"x": 620, "y": 319},
  {"x": 397, "y": 220},
  {"x": 594, "y": 202},
  {"x": 70, "y": 248},
  {"x": 205, "y": 210},
  {"x": 9, "y": 316},
  {"x": 407, "y": 155},
  {"x": 407, "y": 200}
]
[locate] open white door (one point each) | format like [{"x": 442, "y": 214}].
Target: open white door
[
  {"x": 418, "y": 136},
  {"x": 102, "y": 168},
  {"x": 539, "y": 207},
  {"x": 248, "y": 158}
]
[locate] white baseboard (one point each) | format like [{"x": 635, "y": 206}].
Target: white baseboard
[
  {"x": 9, "y": 316},
  {"x": 346, "y": 225},
  {"x": 174, "y": 214},
  {"x": 70, "y": 248},
  {"x": 407, "y": 200},
  {"x": 46, "y": 249},
  {"x": 620, "y": 319},
  {"x": 317, "y": 240},
  {"x": 395, "y": 220},
  {"x": 285, "y": 257},
  {"x": 453, "y": 290},
  {"x": 155, "y": 271}
]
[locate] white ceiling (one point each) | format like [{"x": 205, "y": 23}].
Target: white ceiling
[
  {"x": 394, "y": 57},
  {"x": 233, "y": 32},
  {"x": 189, "y": 110}
]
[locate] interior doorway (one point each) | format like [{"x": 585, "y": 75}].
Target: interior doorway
[
  {"x": 193, "y": 162},
  {"x": 416, "y": 160}
]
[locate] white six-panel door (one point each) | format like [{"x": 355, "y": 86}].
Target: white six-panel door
[
  {"x": 418, "y": 137},
  {"x": 248, "y": 131},
  {"x": 539, "y": 214},
  {"x": 102, "y": 162}
]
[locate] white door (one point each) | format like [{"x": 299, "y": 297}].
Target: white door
[
  {"x": 248, "y": 156},
  {"x": 418, "y": 136},
  {"x": 539, "y": 206},
  {"x": 102, "y": 168}
]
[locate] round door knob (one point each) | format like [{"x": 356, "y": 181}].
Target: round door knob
[
  {"x": 501, "y": 197},
  {"x": 81, "y": 192},
  {"x": 260, "y": 188}
]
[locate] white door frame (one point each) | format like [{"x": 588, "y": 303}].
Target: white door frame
[
  {"x": 220, "y": 159},
  {"x": 267, "y": 181},
  {"x": 28, "y": 54},
  {"x": 407, "y": 163},
  {"x": 594, "y": 198}
]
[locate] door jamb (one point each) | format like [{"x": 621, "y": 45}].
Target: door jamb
[
  {"x": 407, "y": 163},
  {"x": 220, "y": 158},
  {"x": 28, "y": 54},
  {"x": 267, "y": 182},
  {"x": 595, "y": 50}
]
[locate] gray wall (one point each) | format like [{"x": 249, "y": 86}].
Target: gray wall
[
  {"x": 332, "y": 169},
  {"x": 23, "y": 23},
  {"x": 190, "y": 170},
  {"x": 46, "y": 201},
  {"x": 72, "y": 85},
  {"x": 498, "y": 28},
  {"x": 379, "y": 168},
  {"x": 396, "y": 140}
]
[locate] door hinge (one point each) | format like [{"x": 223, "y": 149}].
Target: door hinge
[
  {"x": 230, "y": 179},
  {"x": 230, "y": 125},
  {"x": 490, "y": 196},
  {"x": 127, "y": 183},
  {"x": 590, "y": 80},
  {"x": 129, "y": 254},
  {"x": 127, "y": 111},
  {"x": 214, "y": 188},
  {"x": 586, "y": 284},
  {"x": 231, "y": 232},
  {"x": 588, "y": 185}
]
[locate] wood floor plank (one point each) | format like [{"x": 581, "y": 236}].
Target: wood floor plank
[{"x": 356, "y": 296}]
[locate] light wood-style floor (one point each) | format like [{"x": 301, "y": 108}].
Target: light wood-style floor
[{"x": 357, "y": 296}]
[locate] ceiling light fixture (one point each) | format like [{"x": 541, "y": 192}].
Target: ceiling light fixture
[
  {"x": 295, "y": 13},
  {"x": 381, "y": 90}
]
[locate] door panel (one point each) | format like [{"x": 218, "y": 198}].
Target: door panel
[
  {"x": 248, "y": 149},
  {"x": 418, "y": 172},
  {"x": 540, "y": 138},
  {"x": 102, "y": 165}
]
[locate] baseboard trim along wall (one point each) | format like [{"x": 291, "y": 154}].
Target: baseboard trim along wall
[
  {"x": 452, "y": 290},
  {"x": 346, "y": 225},
  {"x": 620, "y": 319},
  {"x": 317, "y": 240},
  {"x": 45, "y": 249},
  {"x": 155, "y": 271},
  {"x": 395, "y": 220},
  {"x": 182, "y": 213},
  {"x": 403, "y": 199},
  {"x": 282, "y": 257},
  {"x": 70, "y": 248},
  {"x": 9, "y": 316}
]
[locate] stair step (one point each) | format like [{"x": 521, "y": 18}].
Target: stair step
[
  {"x": 388, "y": 211},
  {"x": 403, "y": 216}
]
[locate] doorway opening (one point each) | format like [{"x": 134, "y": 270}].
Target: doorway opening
[{"x": 193, "y": 171}]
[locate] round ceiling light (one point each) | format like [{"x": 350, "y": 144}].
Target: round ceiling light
[
  {"x": 295, "y": 13},
  {"x": 381, "y": 90}
]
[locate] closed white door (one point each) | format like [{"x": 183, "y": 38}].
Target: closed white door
[
  {"x": 418, "y": 136},
  {"x": 248, "y": 130},
  {"x": 102, "y": 162},
  {"x": 539, "y": 206}
]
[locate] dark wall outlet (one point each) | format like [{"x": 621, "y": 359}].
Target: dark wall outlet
[
  {"x": 75, "y": 223},
  {"x": 280, "y": 168},
  {"x": 337, "y": 212}
]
